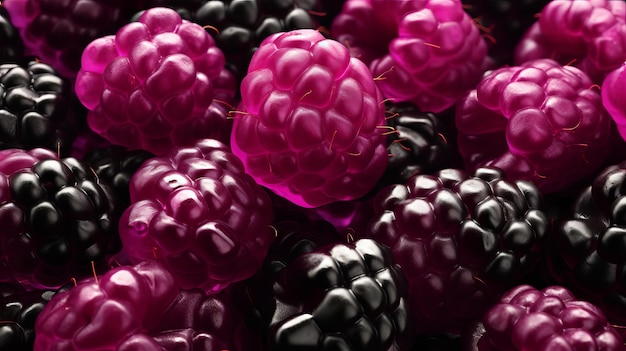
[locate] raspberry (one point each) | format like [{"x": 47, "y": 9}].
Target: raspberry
[
  {"x": 539, "y": 121},
  {"x": 239, "y": 26},
  {"x": 57, "y": 31},
  {"x": 115, "y": 165},
  {"x": 18, "y": 314},
  {"x": 461, "y": 241},
  {"x": 58, "y": 219},
  {"x": 157, "y": 83},
  {"x": 590, "y": 34},
  {"x": 335, "y": 297},
  {"x": 549, "y": 319},
  {"x": 12, "y": 47},
  {"x": 428, "y": 52},
  {"x": 587, "y": 252},
  {"x": 504, "y": 23},
  {"x": 613, "y": 88},
  {"x": 310, "y": 121},
  {"x": 35, "y": 108},
  {"x": 198, "y": 213}
]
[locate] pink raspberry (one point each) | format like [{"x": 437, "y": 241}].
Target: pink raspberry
[
  {"x": 590, "y": 34},
  {"x": 139, "y": 307},
  {"x": 158, "y": 83},
  {"x": 614, "y": 97},
  {"x": 199, "y": 214},
  {"x": 57, "y": 31},
  {"x": 311, "y": 121},
  {"x": 549, "y": 319},
  {"x": 428, "y": 52},
  {"x": 539, "y": 121}
]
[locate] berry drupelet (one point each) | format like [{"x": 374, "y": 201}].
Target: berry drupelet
[
  {"x": 461, "y": 241},
  {"x": 35, "y": 108},
  {"x": 12, "y": 47},
  {"x": 58, "y": 219}
]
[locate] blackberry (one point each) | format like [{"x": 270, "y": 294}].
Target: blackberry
[
  {"x": 588, "y": 250},
  {"x": 115, "y": 166},
  {"x": 12, "y": 47},
  {"x": 239, "y": 26},
  {"x": 35, "y": 108},
  {"x": 336, "y": 296},
  {"x": 18, "y": 313},
  {"x": 59, "y": 222},
  {"x": 422, "y": 142},
  {"x": 503, "y": 23},
  {"x": 461, "y": 241}
]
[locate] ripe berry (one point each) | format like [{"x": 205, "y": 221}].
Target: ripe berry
[
  {"x": 12, "y": 47},
  {"x": 158, "y": 83},
  {"x": 540, "y": 121},
  {"x": 460, "y": 240},
  {"x": 310, "y": 123},
  {"x": 198, "y": 213}
]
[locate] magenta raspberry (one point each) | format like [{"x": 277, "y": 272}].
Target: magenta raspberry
[
  {"x": 589, "y": 34},
  {"x": 539, "y": 121},
  {"x": 57, "y": 31},
  {"x": 614, "y": 97},
  {"x": 311, "y": 123},
  {"x": 428, "y": 52},
  {"x": 549, "y": 319},
  {"x": 158, "y": 83},
  {"x": 198, "y": 213}
]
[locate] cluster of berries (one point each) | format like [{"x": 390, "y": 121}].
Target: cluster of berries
[{"x": 353, "y": 175}]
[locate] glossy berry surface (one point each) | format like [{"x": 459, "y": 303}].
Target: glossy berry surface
[
  {"x": 587, "y": 250},
  {"x": 35, "y": 108},
  {"x": 59, "y": 220},
  {"x": 613, "y": 97},
  {"x": 539, "y": 121},
  {"x": 310, "y": 121},
  {"x": 461, "y": 241},
  {"x": 588, "y": 34},
  {"x": 58, "y": 31},
  {"x": 200, "y": 215},
  {"x": 423, "y": 143},
  {"x": 18, "y": 314},
  {"x": 335, "y": 297},
  {"x": 152, "y": 86},
  {"x": 426, "y": 52},
  {"x": 549, "y": 319},
  {"x": 12, "y": 47}
]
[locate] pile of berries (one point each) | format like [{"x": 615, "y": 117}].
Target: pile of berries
[{"x": 353, "y": 175}]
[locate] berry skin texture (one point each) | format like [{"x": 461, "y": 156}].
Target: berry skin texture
[
  {"x": 12, "y": 47},
  {"x": 614, "y": 97},
  {"x": 460, "y": 240},
  {"x": 427, "y": 52},
  {"x": 540, "y": 121},
  {"x": 587, "y": 250},
  {"x": 549, "y": 319},
  {"x": 590, "y": 34},
  {"x": 336, "y": 297},
  {"x": 35, "y": 109},
  {"x": 59, "y": 221},
  {"x": 158, "y": 83},
  {"x": 200, "y": 215},
  {"x": 58, "y": 31},
  {"x": 311, "y": 121}
]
